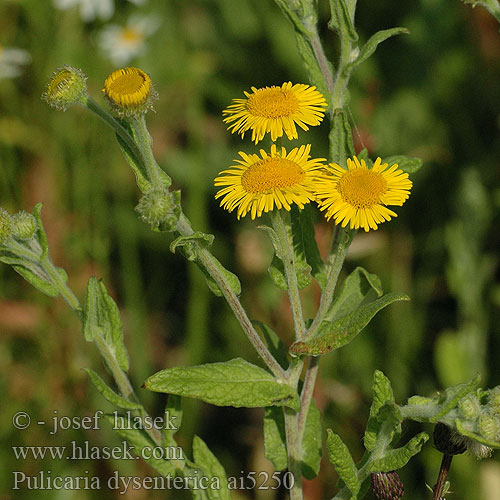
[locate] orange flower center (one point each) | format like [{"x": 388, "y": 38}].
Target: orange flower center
[
  {"x": 271, "y": 173},
  {"x": 362, "y": 188},
  {"x": 272, "y": 102}
]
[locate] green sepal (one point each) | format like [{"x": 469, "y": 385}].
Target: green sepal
[
  {"x": 382, "y": 394},
  {"x": 408, "y": 164},
  {"x": 101, "y": 317},
  {"x": 139, "y": 441},
  {"x": 341, "y": 459},
  {"x": 274, "y": 344},
  {"x": 36, "y": 277},
  {"x": 399, "y": 457},
  {"x": 275, "y": 440},
  {"x": 341, "y": 20},
  {"x": 341, "y": 143},
  {"x": 354, "y": 291},
  {"x": 335, "y": 334},
  {"x": 231, "y": 383},
  {"x": 371, "y": 46},
  {"x": 110, "y": 395},
  {"x": 188, "y": 243},
  {"x": 462, "y": 429},
  {"x": 173, "y": 411},
  {"x": 212, "y": 468}
]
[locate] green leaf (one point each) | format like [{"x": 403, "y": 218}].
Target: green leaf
[
  {"x": 142, "y": 446},
  {"x": 371, "y": 45},
  {"x": 189, "y": 243},
  {"x": 398, "y": 458},
  {"x": 341, "y": 20},
  {"x": 408, "y": 164},
  {"x": 173, "y": 413},
  {"x": 339, "y": 456},
  {"x": 139, "y": 171},
  {"x": 382, "y": 394},
  {"x": 341, "y": 144},
  {"x": 231, "y": 278},
  {"x": 355, "y": 289},
  {"x": 101, "y": 317},
  {"x": 311, "y": 443},
  {"x": 36, "y": 277},
  {"x": 274, "y": 344},
  {"x": 41, "y": 235},
  {"x": 232, "y": 383},
  {"x": 276, "y": 268},
  {"x": 335, "y": 334},
  {"x": 275, "y": 440},
  {"x": 111, "y": 395},
  {"x": 451, "y": 398},
  {"x": 313, "y": 70},
  {"x": 274, "y": 437},
  {"x": 212, "y": 468},
  {"x": 305, "y": 246}
]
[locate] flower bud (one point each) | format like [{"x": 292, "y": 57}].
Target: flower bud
[
  {"x": 67, "y": 86},
  {"x": 469, "y": 407},
  {"x": 23, "y": 225},
  {"x": 129, "y": 91},
  {"x": 448, "y": 440},
  {"x": 386, "y": 485},
  {"x": 159, "y": 207},
  {"x": 489, "y": 427},
  {"x": 5, "y": 225}
]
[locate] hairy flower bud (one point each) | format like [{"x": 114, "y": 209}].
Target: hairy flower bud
[
  {"x": 386, "y": 485},
  {"x": 469, "y": 407},
  {"x": 159, "y": 208},
  {"x": 489, "y": 427},
  {"x": 23, "y": 225},
  {"x": 5, "y": 225},
  {"x": 67, "y": 86},
  {"x": 449, "y": 441}
]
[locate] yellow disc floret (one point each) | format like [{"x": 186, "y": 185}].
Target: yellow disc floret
[
  {"x": 358, "y": 196},
  {"x": 129, "y": 91},
  {"x": 257, "y": 184}
]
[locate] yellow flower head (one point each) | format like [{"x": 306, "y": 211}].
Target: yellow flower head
[
  {"x": 359, "y": 196},
  {"x": 276, "y": 110},
  {"x": 256, "y": 184},
  {"x": 129, "y": 91}
]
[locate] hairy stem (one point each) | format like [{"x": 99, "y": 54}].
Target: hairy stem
[
  {"x": 283, "y": 231},
  {"x": 293, "y": 447},
  {"x": 209, "y": 263}
]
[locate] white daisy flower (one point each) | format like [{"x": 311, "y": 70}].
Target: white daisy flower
[
  {"x": 11, "y": 61},
  {"x": 121, "y": 44},
  {"x": 89, "y": 9}
]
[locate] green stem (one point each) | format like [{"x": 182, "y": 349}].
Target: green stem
[
  {"x": 307, "y": 393},
  {"x": 145, "y": 144},
  {"x": 340, "y": 244},
  {"x": 284, "y": 233},
  {"x": 119, "y": 129},
  {"x": 58, "y": 281},
  {"x": 208, "y": 261},
  {"x": 293, "y": 447}
]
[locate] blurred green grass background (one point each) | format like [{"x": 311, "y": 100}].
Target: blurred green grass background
[{"x": 433, "y": 94}]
